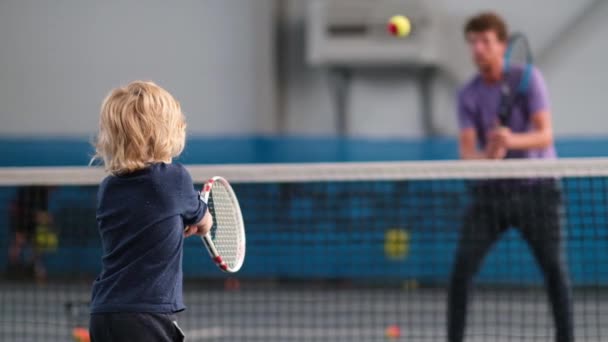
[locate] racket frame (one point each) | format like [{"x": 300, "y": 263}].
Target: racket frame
[
  {"x": 208, "y": 241},
  {"x": 508, "y": 95}
]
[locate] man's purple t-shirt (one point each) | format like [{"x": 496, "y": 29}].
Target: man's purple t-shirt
[{"x": 478, "y": 104}]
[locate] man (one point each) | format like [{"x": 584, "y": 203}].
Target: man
[{"x": 531, "y": 206}]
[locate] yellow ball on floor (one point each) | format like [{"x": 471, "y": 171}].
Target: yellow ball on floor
[{"x": 399, "y": 26}]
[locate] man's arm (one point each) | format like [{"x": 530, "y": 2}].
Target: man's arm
[
  {"x": 467, "y": 141},
  {"x": 469, "y": 151},
  {"x": 541, "y": 135},
  {"x": 468, "y": 145}
]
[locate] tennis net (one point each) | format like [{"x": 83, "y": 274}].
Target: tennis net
[{"x": 340, "y": 252}]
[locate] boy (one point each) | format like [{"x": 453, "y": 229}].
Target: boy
[{"x": 143, "y": 207}]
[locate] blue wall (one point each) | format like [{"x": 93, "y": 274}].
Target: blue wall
[{"x": 77, "y": 151}]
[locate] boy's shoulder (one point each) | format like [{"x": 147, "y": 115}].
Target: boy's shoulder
[
  {"x": 155, "y": 172},
  {"x": 172, "y": 174},
  {"x": 168, "y": 171},
  {"x": 171, "y": 167}
]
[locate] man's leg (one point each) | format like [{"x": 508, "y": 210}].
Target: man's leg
[
  {"x": 479, "y": 232},
  {"x": 542, "y": 229}
]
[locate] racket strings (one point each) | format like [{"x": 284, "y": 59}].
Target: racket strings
[
  {"x": 225, "y": 232},
  {"x": 519, "y": 54},
  {"x": 518, "y": 61}
]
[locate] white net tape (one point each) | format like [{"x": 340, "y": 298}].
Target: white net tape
[{"x": 310, "y": 172}]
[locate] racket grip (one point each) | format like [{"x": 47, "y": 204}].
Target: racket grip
[{"x": 217, "y": 258}]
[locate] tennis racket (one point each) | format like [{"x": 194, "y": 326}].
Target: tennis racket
[
  {"x": 517, "y": 71},
  {"x": 226, "y": 240}
]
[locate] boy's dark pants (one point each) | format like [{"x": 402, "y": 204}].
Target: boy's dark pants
[{"x": 134, "y": 327}]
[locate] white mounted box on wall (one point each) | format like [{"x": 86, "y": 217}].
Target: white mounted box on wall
[{"x": 352, "y": 33}]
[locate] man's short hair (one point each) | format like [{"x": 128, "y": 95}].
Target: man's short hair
[{"x": 488, "y": 21}]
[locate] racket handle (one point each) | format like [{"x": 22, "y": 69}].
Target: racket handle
[
  {"x": 209, "y": 245},
  {"x": 213, "y": 252}
]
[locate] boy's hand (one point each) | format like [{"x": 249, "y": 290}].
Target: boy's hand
[{"x": 202, "y": 228}]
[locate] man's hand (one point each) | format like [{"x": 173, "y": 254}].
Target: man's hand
[
  {"x": 202, "y": 228},
  {"x": 494, "y": 150},
  {"x": 498, "y": 143},
  {"x": 540, "y": 136},
  {"x": 501, "y": 137}
]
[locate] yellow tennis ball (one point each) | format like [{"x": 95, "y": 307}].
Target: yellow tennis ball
[
  {"x": 396, "y": 244},
  {"x": 399, "y": 26}
]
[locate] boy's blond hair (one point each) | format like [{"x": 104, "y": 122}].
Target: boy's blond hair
[{"x": 139, "y": 124}]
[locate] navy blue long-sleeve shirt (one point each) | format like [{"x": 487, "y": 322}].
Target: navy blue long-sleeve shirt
[{"x": 141, "y": 218}]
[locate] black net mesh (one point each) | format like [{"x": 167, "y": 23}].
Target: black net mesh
[{"x": 372, "y": 260}]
